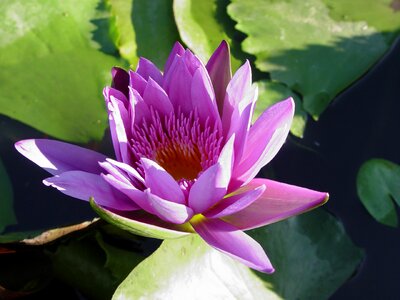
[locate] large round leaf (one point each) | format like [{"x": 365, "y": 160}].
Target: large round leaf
[
  {"x": 301, "y": 46},
  {"x": 51, "y": 71},
  {"x": 378, "y": 184}
]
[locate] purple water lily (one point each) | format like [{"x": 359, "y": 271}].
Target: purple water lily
[{"x": 186, "y": 156}]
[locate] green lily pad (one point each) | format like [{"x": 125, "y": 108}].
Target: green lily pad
[
  {"x": 302, "y": 47},
  {"x": 51, "y": 71},
  {"x": 311, "y": 253},
  {"x": 141, "y": 223},
  {"x": 271, "y": 92},
  {"x": 193, "y": 270},
  {"x": 384, "y": 15},
  {"x": 143, "y": 28},
  {"x": 378, "y": 186},
  {"x": 7, "y": 215},
  {"x": 201, "y": 28}
]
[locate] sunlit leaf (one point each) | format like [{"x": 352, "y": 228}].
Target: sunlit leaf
[
  {"x": 52, "y": 72},
  {"x": 188, "y": 268},
  {"x": 301, "y": 46},
  {"x": 7, "y": 215},
  {"x": 311, "y": 253},
  {"x": 378, "y": 185}
]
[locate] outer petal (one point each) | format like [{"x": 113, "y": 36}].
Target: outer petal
[
  {"x": 219, "y": 68},
  {"x": 211, "y": 186},
  {"x": 127, "y": 168},
  {"x": 264, "y": 140},
  {"x": 168, "y": 211},
  {"x": 139, "y": 110},
  {"x": 58, "y": 157},
  {"x": 120, "y": 80},
  {"x": 191, "y": 61},
  {"x": 137, "y": 82},
  {"x": 228, "y": 239},
  {"x": 154, "y": 96},
  {"x": 177, "y": 50},
  {"x": 279, "y": 201},
  {"x": 83, "y": 185},
  {"x": 148, "y": 70},
  {"x": 161, "y": 182},
  {"x": 235, "y": 203}
]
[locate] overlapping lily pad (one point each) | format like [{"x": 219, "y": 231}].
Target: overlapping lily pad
[
  {"x": 51, "y": 70},
  {"x": 303, "y": 47},
  {"x": 378, "y": 186}
]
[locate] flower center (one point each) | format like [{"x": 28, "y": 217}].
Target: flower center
[{"x": 180, "y": 143}]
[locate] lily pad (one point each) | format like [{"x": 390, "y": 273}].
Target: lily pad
[
  {"x": 312, "y": 255},
  {"x": 200, "y": 28},
  {"x": 378, "y": 186},
  {"x": 271, "y": 92},
  {"x": 52, "y": 72},
  {"x": 194, "y": 270},
  {"x": 303, "y": 47},
  {"x": 7, "y": 215}
]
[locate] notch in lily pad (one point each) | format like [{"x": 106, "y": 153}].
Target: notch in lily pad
[{"x": 378, "y": 187}]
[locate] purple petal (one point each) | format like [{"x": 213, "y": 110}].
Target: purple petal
[
  {"x": 58, "y": 157},
  {"x": 118, "y": 95},
  {"x": 161, "y": 182},
  {"x": 83, "y": 185},
  {"x": 176, "y": 50},
  {"x": 228, "y": 239},
  {"x": 120, "y": 80},
  {"x": 219, "y": 68},
  {"x": 279, "y": 201},
  {"x": 203, "y": 98},
  {"x": 155, "y": 97},
  {"x": 139, "y": 111},
  {"x": 212, "y": 184},
  {"x": 264, "y": 140},
  {"x": 177, "y": 84},
  {"x": 238, "y": 94},
  {"x": 148, "y": 70},
  {"x": 132, "y": 173},
  {"x": 137, "y": 82},
  {"x": 168, "y": 211},
  {"x": 192, "y": 62},
  {"x": 235, "y": 203}
]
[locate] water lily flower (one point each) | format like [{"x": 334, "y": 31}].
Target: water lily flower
[{"x": 186, "y": 154}]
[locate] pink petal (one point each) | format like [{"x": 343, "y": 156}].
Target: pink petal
[
  {"x": 58, "y": 157},
  {"x": 279, "y": 201},
  {"x": 133, "y": 173},
  {"x": 212, "y": 184},
  {"x": 235, "y": 202},
  {"x": 137, "y": 82},
  {"x": 176, "y": 50},
  {"x": 177, "y": 84},
  {"x": 161, "y": 182},
  {"x": 155, "y": 97},
  {"x": 83, "y": 185},
  {"x": 148, "y": 70},
  {"x": 139, "y": 111},
  {"x": 219, "y": 68},
  {"x": 203, "y": 98},
  {"x": 120, "y": 80},
  {"x": 228, "y": 239},
  {"x": 191, "y": 61},
  {"x": 168, "y": 211},
  {"x": 118, "y": 95},
  {"x": 264, "y": 140}
]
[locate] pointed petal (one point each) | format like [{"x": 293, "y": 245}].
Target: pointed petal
[
  {"x": 58, "y": 157},
  {"x": 154, "y": 96},
  {"x": 161, "y": 182},
  {"x": 177, "y": 84},
  {"x": 120, "y": 80},
  {"x": 118, "y": 95},
  {"x": 279, "y": 201},
  {"x": 168, "y": 211},
  {"x": 139, "y": 109},
  {"x": 148, "y": 70},
  {"x": 203, "y": 98},
  {"x": 83, "y": 185},
  {"x": 137, "y": 82},
  {"x": 176, "y": 50},
  {"x": 228, "y": 239},
  {"x": 235, "y": 203},
  {"x": 133, "y": 173},
  {"x": 212, "y": 184},
  {"x": 264, "y": 140},
  {"x": 191, "y": 61},
  {"x": 219, "y": 68}
]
